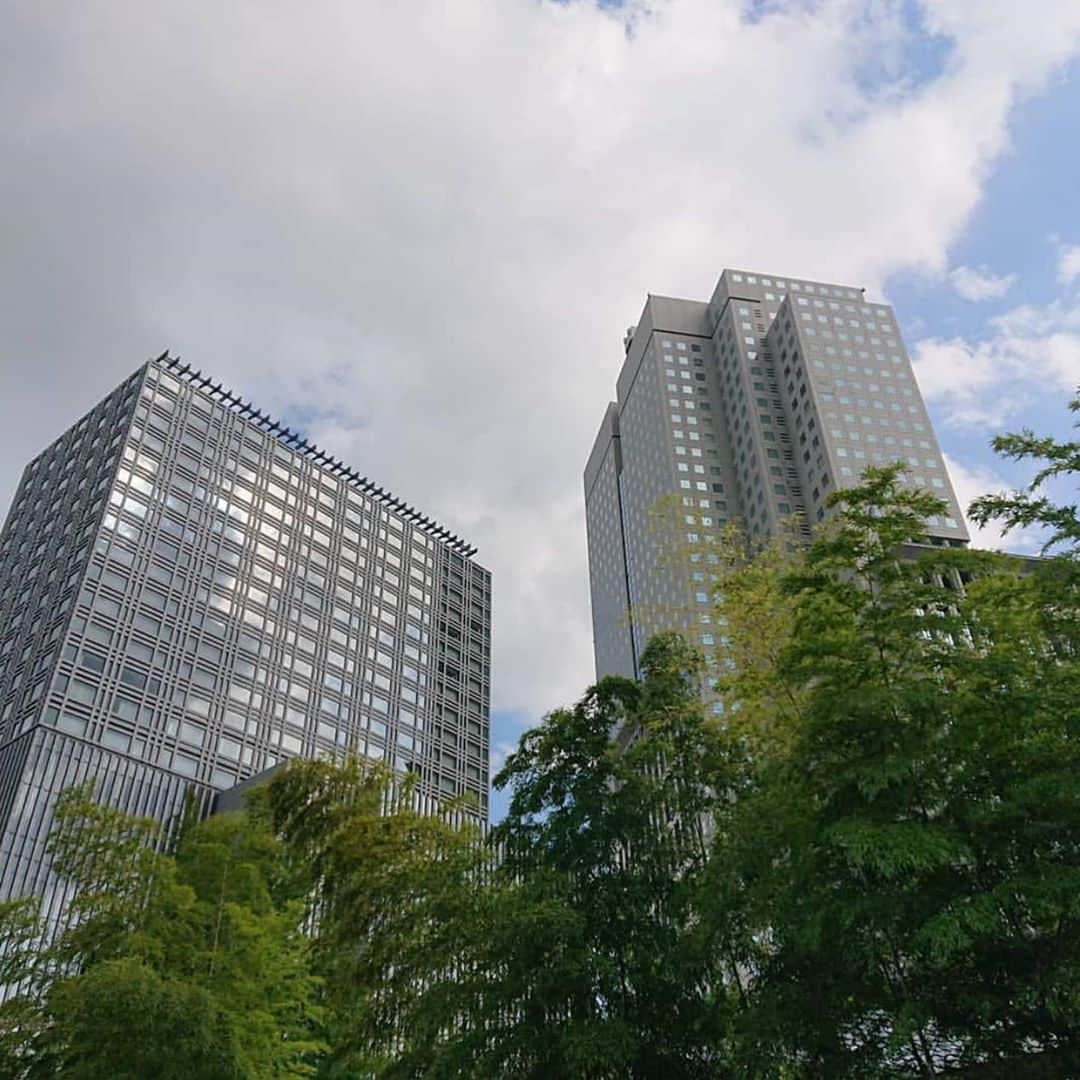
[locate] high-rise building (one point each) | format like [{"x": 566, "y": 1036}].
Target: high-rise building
[
  {"x": 190, "y": 593},
  {"x": 751, "y": 409}
]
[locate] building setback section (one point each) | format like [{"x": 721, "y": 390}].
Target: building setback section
[
  {"x": 607, "y": 578},
  {"x": 751, "y": 409},
  {"x": 190, "y": 593}
]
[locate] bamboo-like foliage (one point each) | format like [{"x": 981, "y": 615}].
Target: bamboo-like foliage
[
  {"x": 901, "y": 883},
  {"x": 188, "y": 965}
]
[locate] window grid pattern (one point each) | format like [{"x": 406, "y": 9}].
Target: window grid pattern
[
  {"x": 44, "y": 549},
  {"x": 209, "y": 601},
  {"x": 749, "y": 409},
  {"x": 36, "y": 768}
]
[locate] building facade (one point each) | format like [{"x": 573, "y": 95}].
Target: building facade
[
  {"x": 748, "y": 409},
  {"x": 190, "y": 593}
]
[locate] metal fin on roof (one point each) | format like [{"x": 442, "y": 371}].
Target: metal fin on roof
[{"x": 295, "y": 442}]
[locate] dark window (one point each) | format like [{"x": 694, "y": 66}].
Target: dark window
[{"x": 132, "y": 677}]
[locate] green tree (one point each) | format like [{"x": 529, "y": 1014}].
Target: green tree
[
  {"x": 123, "y": 1019},
  {"x": 24, "y": 974},
  {"x": 1033, "y": 506},
  {"x": 868, "y": 865},
  {"x": 398, "y": 897},
  {"x": 1056, "y": 576},
  {"x": 596, "y": 962},
  {"x": 189, "y": 964},
  {"x": 753, "y": 615},
  {"x": 566, "y": 944},
  {"x": 903, "y": 877}
]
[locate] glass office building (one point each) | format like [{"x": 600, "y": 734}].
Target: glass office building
[{"x": 191, "y": 593}]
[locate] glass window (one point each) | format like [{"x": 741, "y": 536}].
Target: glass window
[
  {"x": 192, "y": 734},
  {"x": 116, "y": 740},
  {"x": 184, "y": 765},
  {"x": 81, "y": 691},
  {"x": 133, "y": 677},
  {"x": 74, "y": 725}
]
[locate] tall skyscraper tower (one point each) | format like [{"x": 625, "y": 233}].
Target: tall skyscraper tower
[
  {"x": 750, "y": 408},
  {"x": 190, "y": 593}
]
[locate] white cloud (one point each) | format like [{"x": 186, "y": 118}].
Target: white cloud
[
  {"x": 1027, "y": 353},
  {"x": 980, "y": 284},
  {"x": 424, "y": 226},
  {"x": 969, "y": 482},
  {"x": 960, "y": 374},
  {"x": 500, "y": 751},
  {"x": 1069, "y": 264}
]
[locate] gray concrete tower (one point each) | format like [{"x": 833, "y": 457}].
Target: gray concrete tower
[{"x": 750, "y": 409}]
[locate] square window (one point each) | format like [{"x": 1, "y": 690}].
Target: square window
[{"x": 81, "y": 691}]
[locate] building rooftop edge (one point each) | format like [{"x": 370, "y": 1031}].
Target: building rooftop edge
[
  {"x": 295, "y": 442},
  {"x": 784, "y": 281}
]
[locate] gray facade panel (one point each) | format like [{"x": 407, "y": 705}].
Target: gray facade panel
[{"x": 684, "y": 317}]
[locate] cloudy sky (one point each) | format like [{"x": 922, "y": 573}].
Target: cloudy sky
[{"x": 419, "y": 229}]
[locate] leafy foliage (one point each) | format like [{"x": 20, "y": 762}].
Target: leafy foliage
[
  {"x": 395, "y": 911},
  {"x": 911, "y": 907},
  {"x": 22, "y": 973},
  {"x": 603, "y": 850},
  {"x": 191, "y": 964},
  {"x": 1033, "y": 506}
]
